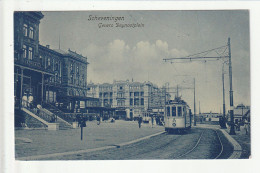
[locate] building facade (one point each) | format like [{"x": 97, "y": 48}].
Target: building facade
[
  {"x": 130, "y": 99},
  {"x": 49, "y": 76}
]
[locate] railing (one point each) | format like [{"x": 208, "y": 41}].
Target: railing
[
  {"x": 58, "y": 112},
  {"x": 37, "y": 111}
]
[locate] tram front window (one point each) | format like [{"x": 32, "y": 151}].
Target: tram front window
[
  {"x": 174, "y": 111},
  {"x": 168, "y": 111},
  {"x": 184, "y": 111},
  {"x": 179, "y": 111}
]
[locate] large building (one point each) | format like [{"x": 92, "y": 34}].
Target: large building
[
  {"x": 50, "y": 77},
  {"x": 130, "y": 99}
]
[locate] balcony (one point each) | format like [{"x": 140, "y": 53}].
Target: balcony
[{"x": 32, "y": 64}]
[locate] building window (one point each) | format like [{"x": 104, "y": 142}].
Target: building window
[
  {"x": 142, "y": 101},
  {"x": 77, "y": 70},
  {"x": 71, "y": 67},
  {"x": 71, "y": 78},
  {"x": 53, "y": 65},
  {"x": 56, "y": 66},
  {"x": 49, "y": 62},
  {"x": 56, "y": 77},
  {"x": 136, "y": 102},
  {"x": 142, "y": 93},
  {"x": 31, "y": 32},
  {"x": 51, "y": 96},
  {"x": 25, "y": 30},
  {"x": 83, "y": 80},
  {"x": 136, "y": 93},
  {"x": 78, "y": 80},
  {"x": 120, "y": 95},
  {"x": 30, "y": 53},
  {"x": 71, "y": 93},
  {"x": 131, "y": 102},
  {"x": 120, "y": 103},
  {"x": 24, "y": 51}
]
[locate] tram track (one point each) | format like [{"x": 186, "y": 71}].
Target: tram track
[
  {"x": 222, "y": 147},
  {"x": 197, "y": 145},
  {"x": 193, "y": 148},
  {"x": 154, "y": 148}
]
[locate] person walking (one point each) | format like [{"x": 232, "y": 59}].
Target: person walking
[
  {"x": 152, "y": 120},
  {"x": 140, "y": 121},
  {"x": 98, "y": 120}
]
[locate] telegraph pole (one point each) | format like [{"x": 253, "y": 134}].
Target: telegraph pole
[
  {"x": 232, "y": 128},
  {"x": 177, "y": 91},
  {"x": 194, "y": 116},
  {"x": 224, "y": 106}
]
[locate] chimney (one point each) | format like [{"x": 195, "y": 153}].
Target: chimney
[{"x": 48, "y": 46}]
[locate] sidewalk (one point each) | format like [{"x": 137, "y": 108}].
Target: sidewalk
[
  {"x": 241, "y": 142},
  {"x": 244, "y": 141},
  {"x": 43, "y": 142}
]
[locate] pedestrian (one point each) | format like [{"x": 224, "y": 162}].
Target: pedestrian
[
  {"x": 140, "y": 121},
  {"x": 98, "y": 120},
  {"x": 246, "y": 126},
  {"x": 30, "y": 100},
  {"x": 152, "y": 120},
  {"x": 24, "y": 101}
]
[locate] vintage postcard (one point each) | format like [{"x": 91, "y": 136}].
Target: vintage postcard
[
  {"x": 151, "y": 88},
  {"x": 130, "y": 85}
]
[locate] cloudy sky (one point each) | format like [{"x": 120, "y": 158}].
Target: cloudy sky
[{"x": 116, "y": 53}]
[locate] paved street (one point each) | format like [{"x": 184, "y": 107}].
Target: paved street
[
  {"x": 39, "y": 142},
  {"x": 198, "y": 143},
  {"x": 164, "y": 146}
]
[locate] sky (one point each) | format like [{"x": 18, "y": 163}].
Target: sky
[{"x": 116, "y": 53}]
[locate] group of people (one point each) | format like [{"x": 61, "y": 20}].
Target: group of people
[
  {"x": 237, "y": 124},
  {"x": 156, "y": 119},
  {"x": 27, "y": 100}
]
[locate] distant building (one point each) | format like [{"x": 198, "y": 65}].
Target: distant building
[
  {"x": 130, "y": 99},
  {"x": 210, "y": 116},
  {"x": 241, "y": 111}
]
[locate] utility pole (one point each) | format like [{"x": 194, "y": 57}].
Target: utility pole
[
  {"x": 194, "y": 116},
  {"x": 177, "y": 91},
  {"x": 232, "y": 128},
  {"x": 199, "y": 107},
  {"x": 224, "y": 106}
]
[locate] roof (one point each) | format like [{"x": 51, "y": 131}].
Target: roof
[{"x": 72, "y": 54}]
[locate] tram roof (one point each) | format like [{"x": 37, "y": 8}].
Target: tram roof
[{"x": 177, "y": 100}]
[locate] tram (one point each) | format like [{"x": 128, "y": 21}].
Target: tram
[
  {"x": 146, "y": 117},
  {"x": 177, "y": 116}
]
